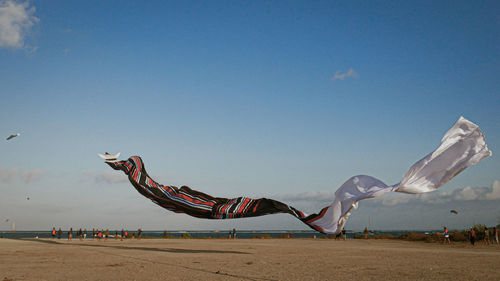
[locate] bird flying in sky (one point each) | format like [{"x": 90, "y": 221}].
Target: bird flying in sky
[{"x": 13, "y": 136}]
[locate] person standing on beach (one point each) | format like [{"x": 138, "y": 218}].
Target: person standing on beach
[
  {"x": 70, "y": 234},
  {"x": 472, "y": 236},
  {"x": 53, "y": 233},
  {"x": 366, "y": 232},
  {"x": 59, "y": 233},
  {"x": 446, "y": 236},
  {"x": 495, "y": 235},
  {"x": 84, "y": 234},
  {"x": 234, "y": 233},
  {"x": 121, "y": 236},
  {"x": 486, "y": 236}
]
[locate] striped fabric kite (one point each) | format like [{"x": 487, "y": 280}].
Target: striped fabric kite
[
  {"x": 462, "y": 146},
  {"x": 201, "y": 205}
]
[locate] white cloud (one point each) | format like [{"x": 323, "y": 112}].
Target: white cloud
[
  {"x": 467, "y": 193},
  {"x": 8, "y": 174},
  {"x": 16, "y": 20},
  {"x": 395, "y": 198},
  {"x": 29, "y": 176},
  {"x": 341, "y": 76},
  {"x": 107, "y": 177},
  {"x": 495, "y": 191},
  {"x": 312, "y": 196},
  {"x": 433, "y": 198},
  {"x": 392, "y": 199}
]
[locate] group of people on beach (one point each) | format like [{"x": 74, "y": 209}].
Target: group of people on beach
[
  {"x": 486, "y": 235},
  {"x": 474, "y": 236},
  {"x": 96, "y": 234}
]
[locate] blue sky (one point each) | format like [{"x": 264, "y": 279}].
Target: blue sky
[{"x": 257, "y": 98}]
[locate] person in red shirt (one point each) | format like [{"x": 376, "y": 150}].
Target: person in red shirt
[
  {"x": 446, "y": 236},
  {"x": 472, "y": 236}
]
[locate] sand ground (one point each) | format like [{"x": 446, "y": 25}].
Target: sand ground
[{"x": 245, "y": 259}]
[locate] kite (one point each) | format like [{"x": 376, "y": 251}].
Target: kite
[
  {"x": 462, "y": 146},
  {"x": 13, "y": 136},
  {"x": 454, "y": 212}
]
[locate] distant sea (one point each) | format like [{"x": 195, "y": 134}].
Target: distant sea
[{"x": 245, "y": 234}]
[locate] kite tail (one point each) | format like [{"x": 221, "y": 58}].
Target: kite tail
[
  {"x": 201, "y": 205},
  {"x": 462, "y": 146}
]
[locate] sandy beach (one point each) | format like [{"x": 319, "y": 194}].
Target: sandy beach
[{"x": 245, "y": 259}]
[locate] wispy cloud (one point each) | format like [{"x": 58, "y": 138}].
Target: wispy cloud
[
  {"x": 16, "y": 20},
  {"x": 351, "y": 73},
  {"x": 313, "y": 196},
  {"x": 8, "y": 174},
  {"x": 106, "y": 177},
  {"x": 395, "y": 198},
  {"x": 55, "y": 209},
  {"x": 34, "y": 175},
  {"x": 27, "y": 176},
  {"x": 467, "y": 193}
]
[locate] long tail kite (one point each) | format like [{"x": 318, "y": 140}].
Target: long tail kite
[{"x": 462, "y": 146}]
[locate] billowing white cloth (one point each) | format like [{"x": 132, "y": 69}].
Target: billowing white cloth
[{"x": 462, "y": 146}]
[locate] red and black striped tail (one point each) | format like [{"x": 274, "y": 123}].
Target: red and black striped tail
[{"x": 201, "y": 205}]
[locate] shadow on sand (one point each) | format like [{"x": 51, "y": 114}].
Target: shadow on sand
[{"x": 168, "y": 250}]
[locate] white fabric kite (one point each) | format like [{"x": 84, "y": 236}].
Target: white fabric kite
[{"x": 462, "y": 146}]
